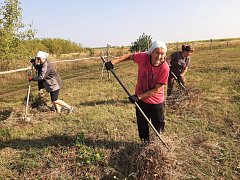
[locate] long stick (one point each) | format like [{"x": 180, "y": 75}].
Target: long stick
[
  {"x": 149, "y": 122},
  {"x": 28, "y": 95},
  {"x": 29, "y": 90},
  {"x": 180, "y": 83}
]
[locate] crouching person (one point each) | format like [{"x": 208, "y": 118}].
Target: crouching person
[{"x": 51, "y": 81}]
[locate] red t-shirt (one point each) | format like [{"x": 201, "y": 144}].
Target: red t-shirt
[{"x": 149, "y": 76}]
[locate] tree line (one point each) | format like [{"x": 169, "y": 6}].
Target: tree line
[{"x": 17, "y": 40}]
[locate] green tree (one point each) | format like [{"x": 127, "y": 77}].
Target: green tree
[
  {"x": 11, "y": 32},
  {"x": 141, "y": 44},
  {"x": 59, "y": 46}
]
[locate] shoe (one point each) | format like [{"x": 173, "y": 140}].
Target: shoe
[
  {"x": 52, "y": 108},
  {"x": 161, "y": 131},
  {"x": 162, "y": 125},
  {"x": 41, "y": 93},
  {"x": 70, "y": 110},
  {"x": 145, "y": 140}
]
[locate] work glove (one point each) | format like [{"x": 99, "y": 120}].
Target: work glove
[
  {"x": 30, "y": 78},
  {"x": 133, "y": 98},
  {"x": 32, "y": 60},
  {"x": 109, "y": 65}
]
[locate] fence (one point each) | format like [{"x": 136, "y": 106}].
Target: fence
[
  {"x": 207, "y": 44},
  {"x": 198, "y": 45},
  {"x": 27, "y": 68}
]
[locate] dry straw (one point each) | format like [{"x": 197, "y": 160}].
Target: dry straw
[{"x": 152, "y": 161}]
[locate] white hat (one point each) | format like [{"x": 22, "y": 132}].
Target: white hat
[
  {"x": 42, "y": 54},
  {"x": 157, "y": 44}
]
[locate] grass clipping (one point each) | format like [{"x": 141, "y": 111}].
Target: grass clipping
[{"x": 152, "y": 161}]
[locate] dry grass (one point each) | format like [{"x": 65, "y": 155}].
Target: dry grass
[{"x": 99, "y": 140}]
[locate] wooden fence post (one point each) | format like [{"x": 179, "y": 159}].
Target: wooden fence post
[
  {"x": 211, "y": 44},
  {"x": 107, "y": 58}
]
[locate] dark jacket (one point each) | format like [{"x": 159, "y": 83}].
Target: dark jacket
[{"x": 178, "y": 62}]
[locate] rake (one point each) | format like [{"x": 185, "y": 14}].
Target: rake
[
  {"x": 26, "y": 117},
  {"x": 139, "y": 108}
]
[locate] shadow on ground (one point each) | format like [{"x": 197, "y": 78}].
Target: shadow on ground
[
  {"x": 5, "y": 114},
  {"x": 111, "y": 101},
  {"x": 59, "y": 140}
]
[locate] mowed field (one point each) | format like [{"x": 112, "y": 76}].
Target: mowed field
[{"x": 100, "y": 140}]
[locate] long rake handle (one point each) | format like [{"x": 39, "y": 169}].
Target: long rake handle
[
  {"x": 175, "y": 77},
  {"x": 29, "y": 90},
  {"x": 139, "y": 108},
  {"x": 28, "y": 95}
]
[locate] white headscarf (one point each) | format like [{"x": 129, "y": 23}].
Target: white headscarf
[
  {"x": 42, "y": 54},
  {"x": 157, "y": 44}
]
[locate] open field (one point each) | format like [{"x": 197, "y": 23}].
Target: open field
[{"x": 100, "y": 141}]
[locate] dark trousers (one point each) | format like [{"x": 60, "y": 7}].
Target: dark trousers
[
  {"x": 40, "y": 85},
  {"x": 54, "y": 95},
  {"x": 155, "y": 114},
  {"x": 171, "y": 81}
]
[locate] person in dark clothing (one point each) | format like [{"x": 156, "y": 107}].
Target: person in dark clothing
[
  {"x": 51, "y": 80},
  {"x": 37, "y": 66},
  {"x": 40, "y": 83},
  {"x": 179, "y": 63}
]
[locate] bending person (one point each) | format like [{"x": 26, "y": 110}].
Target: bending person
[
  {"x": 153, "y": 74},
  {"x": 179, "y": 63},
  {"x": 51, "y": 81},
  {"x": 37, "y": 66}
]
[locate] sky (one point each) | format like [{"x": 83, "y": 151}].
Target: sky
[{"x": 96, "y": 23}]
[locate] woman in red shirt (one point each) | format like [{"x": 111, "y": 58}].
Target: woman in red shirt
[{"x": 153, "y": 73}]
